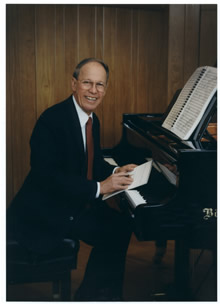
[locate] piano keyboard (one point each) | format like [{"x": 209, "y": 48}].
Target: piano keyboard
[
  {"x": 148, "y": 194},
  {"x": 135, "y": 198}
]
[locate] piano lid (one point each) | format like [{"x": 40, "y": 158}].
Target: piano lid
[
  {"x": 153, "y": 128},
  {"x": 153, "y": 125}
]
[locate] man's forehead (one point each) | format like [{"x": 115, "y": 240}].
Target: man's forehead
[{"x": 93, "y": 69}]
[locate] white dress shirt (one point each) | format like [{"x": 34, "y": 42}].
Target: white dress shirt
[{"x": 83, "y": 118}]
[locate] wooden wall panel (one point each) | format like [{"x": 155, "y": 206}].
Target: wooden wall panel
[
  {"x": 191, "y": 47},
  {"x": 60, "y": 80},
  {"x": 161, "y": 68},
  {"x": 152, "y": 78},
  {"x": 135, "y": 60},
  {"x": 175, "y": 49},
  {"x": 86, "y": 17},
  {"x": 122, "y": 75},
  {"x": 10, "y": 66},
  {"x": 13, "y": 138},
  {"x": 192, "y": 42},
  {"x": 143, "y": 67},
  {"x": 150, "y": 50},
  {"x": 99, "y": 54},
  {"x": 208, "y": 39},
  {"x": 109, "y": 45},
  {"x": 71, "y": 41},
  {"x": 45, "y": 56},
  {"x": 99, "y": 31},
  {"x": 21, "y": 111},
  {"x": 27, "y": 84}
]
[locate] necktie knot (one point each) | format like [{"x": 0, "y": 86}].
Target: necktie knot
[
  {"x": 89, "y": 122},
  {"x": 90, "y": 148}
]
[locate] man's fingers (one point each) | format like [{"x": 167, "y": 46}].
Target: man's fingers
[
  {"x": 122, "y": 181},
  {"x": 126, "y": 168},
  {"x": 117, "y": 181},
  {"x": 122, "y": 177},
  {"x": 122, "y": 174},
  {"x": 131, "y": 167}
]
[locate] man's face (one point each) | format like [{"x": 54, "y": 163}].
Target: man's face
[{"x": 90, "y": 87}]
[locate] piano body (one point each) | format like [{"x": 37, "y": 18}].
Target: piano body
[{"x": 180, "y": 204}]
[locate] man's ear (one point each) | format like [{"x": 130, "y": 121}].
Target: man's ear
[
  {"x": 73, "y": 83},
  {"x": 105, "y": 89}
]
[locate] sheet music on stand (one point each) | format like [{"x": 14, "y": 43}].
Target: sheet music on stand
[{"x": 192, "y": 102}]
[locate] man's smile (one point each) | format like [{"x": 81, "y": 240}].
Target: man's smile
[{"x": 91, "y": 98}]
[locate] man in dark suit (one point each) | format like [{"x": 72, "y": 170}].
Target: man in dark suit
[{"x": 59, "y": 199}]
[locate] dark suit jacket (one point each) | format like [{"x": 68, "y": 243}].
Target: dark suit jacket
[{"x": 56, "y": 188}]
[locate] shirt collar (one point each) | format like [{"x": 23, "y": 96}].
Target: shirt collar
[{"x": 83, "y": 117}]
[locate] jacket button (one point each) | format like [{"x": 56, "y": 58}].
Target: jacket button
[{"x": 71, "y": 218}]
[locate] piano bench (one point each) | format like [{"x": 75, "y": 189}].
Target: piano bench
[{"x": 25, "y": 267}]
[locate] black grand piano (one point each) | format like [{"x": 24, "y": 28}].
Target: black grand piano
[{"x": 179, "y": 202}]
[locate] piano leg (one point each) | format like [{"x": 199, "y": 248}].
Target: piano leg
[
  {"x": 180, "y": 289},
  {"x": 181, "y": 271}
]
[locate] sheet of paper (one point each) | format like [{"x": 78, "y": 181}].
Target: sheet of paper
[{"x": 140, "y": 176}]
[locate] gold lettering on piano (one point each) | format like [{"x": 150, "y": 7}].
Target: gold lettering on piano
[{"x": 209, "y": 212}]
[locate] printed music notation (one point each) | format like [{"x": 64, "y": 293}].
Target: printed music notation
[{"x": 192, "y": 102}]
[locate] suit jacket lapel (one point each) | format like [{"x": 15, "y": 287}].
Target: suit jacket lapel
[{"x": 75, "y": 128}]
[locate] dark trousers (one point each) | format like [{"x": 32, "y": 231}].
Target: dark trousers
[{"x": 109, "y": 232}]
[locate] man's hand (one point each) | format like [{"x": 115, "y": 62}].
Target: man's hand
[
  {"x": 125, "y": 168},
  {"x": 120, "y": 180}
]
